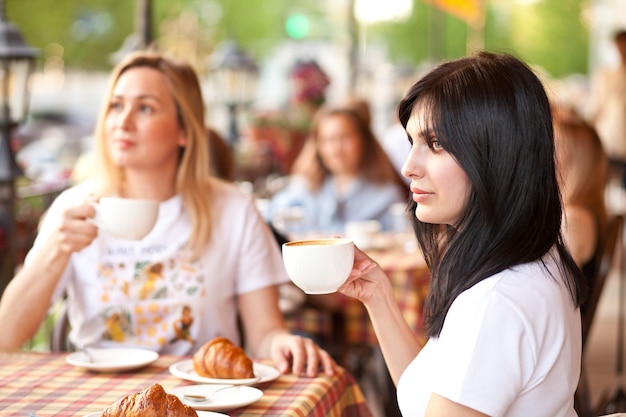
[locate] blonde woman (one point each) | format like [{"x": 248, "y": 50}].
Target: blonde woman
[
  {"x": 582, "y": 165},
  {"x": 215, "y": 257}
]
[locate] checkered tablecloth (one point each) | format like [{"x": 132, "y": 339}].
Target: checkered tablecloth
[
  {"x": 410, "y": 280},
  {"x": 37, "y": 384}
]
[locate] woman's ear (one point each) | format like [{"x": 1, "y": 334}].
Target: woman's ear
[{"x": 182, "y": 138}]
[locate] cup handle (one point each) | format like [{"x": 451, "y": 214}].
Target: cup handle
[{"x": 97, "y": 219}]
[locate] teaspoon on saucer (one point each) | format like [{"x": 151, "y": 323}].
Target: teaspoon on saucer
[
  {"x": 202, "y": 398},
  {"x": 86, "y": 351}
]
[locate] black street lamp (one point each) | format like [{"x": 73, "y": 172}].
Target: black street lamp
[
  {"x": 234, "y": 75},
  {"x": 17, "y": 61}
]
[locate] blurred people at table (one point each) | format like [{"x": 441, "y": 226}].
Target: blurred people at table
[
  {"x": 502, "y": 316},
  {"x": 582, "y": 166},
  {"x": 341, "y": 175},
  {"x": 606, "y": 108},
  {"x": 210, "y": 258}
]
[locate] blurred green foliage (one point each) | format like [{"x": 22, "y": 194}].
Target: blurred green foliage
[
  {"x": 88, "y": 30},
  {"x": 547, "y": 33}
]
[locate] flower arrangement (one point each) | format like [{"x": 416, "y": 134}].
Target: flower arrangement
[
  {"x": 310, "y": 83},
  {"x": 286, "y": 130}
]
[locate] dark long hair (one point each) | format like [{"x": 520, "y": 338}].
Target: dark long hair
[{"x": 491, "y": 113}]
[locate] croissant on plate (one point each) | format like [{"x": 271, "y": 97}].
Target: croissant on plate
[
  {"x": 220, "y": 358},
  {"x": 151, "y": 402}
]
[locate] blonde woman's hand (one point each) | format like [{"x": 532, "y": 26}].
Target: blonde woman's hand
[
  {"x": 300, "y": 356},
  {"x": 74, "y": 232}
]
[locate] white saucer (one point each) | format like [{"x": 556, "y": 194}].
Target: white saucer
[
  {"x": 225, "y": 399},
  {"x": 113, "y": 359},
  {"x": 200, "y": 414},
  {"x": 263, "y": 373}
]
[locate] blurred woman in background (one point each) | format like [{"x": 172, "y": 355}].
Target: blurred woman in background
[
  {"x": 582, "y": 165},
  {"x": 342, "y": 174}
]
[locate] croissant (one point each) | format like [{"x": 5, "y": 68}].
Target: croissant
[
  {"x": 151, "y": 402},
  {"x": 220, "y": 358}
]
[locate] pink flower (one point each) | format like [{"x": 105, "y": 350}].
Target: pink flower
[{"x": 310, "y": 83}]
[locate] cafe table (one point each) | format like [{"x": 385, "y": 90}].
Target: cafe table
[{"x": 43, "y": 384}]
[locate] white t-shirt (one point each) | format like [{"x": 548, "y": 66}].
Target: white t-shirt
[
  {"x": 510, "y": 346},
  {"x": 149, "y": 293}
]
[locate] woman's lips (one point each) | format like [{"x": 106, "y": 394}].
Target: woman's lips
[
  {"x": 420, "y": 195},
  {"x": 124, "y": 143}
]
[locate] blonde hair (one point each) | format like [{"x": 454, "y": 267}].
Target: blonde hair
[
  {"x": 582, "y": 165},
  {"x": 374, "y": 166},
  {"x": 193, "y": 174}
]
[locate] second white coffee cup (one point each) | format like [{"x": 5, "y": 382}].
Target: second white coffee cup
[
  {"x": 363, "y": 232},
  {"x": 126, "y": 218},
  {"x": 319, "y": 266}
]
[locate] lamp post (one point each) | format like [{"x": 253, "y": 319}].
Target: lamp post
[
  {"x": 17, "y": 60},
  {"x": 234, "y": 75}
]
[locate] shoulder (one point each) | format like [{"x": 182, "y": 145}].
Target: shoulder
[
  {"x": 228, "y": 192},
  {"x": 580, "y": 232},
  {"x": 528, "y": 277},
  {"x": 297, "y": 187},
  {"x": 74, "y": 195},
  {"x": 526, "y": 290},
  {"x": 575, "y": 215}
]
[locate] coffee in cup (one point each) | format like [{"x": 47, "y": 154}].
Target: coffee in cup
[
  {"x": 318, "y": 266},
  {"x": 126, "y": 218}
]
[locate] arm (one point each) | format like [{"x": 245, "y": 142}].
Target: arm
[
  {"x": 267, "y": 336},
  {"x": 369, "y": 284},
  {"x": 25, "y": 302},
  {"x": 439, "y": 406},
  {"x": 580, "y": 234}
]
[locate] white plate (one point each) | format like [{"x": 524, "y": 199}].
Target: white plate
[
  {"x": 113, "y": 359},
  {"x": 225, "y": 399},
  {"x": 263, "y": 373},
  {"x": 200, "y": 414}
]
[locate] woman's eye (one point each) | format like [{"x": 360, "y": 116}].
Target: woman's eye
[
  {"x": 146, "y": 109},
  {"x": 116, "y": 106},
  {"x": 435, "y": 145}
]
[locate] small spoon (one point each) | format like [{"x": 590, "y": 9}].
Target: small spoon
[
  {"x": 86, "y": 351},
  {"x": 202, "y": 398}
]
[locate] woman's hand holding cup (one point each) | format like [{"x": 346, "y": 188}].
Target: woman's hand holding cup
[{"x": 125, "y": 218}]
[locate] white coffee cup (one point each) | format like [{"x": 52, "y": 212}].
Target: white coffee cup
[
  {"x": 363, "y": 232},
  {"x": 126, "y": 218},
  {"x": 319, "y": 266}
]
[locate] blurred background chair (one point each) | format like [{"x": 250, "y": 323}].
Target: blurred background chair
[
  {"x": 606, "y": 257},
  {"x": 59, "y": 336}
]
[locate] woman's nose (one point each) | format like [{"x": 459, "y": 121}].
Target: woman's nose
[
  {"x": 414, "y": 163},
  {"x": 125, "y": 118}
]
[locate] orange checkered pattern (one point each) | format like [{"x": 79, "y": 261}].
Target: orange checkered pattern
[{"x": 43, "y": 385}]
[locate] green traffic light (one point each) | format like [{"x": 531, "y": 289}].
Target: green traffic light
[{"x": 297, "y": 25}]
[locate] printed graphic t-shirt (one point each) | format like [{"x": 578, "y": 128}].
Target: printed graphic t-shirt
[{"x": 151, "y": 293}]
